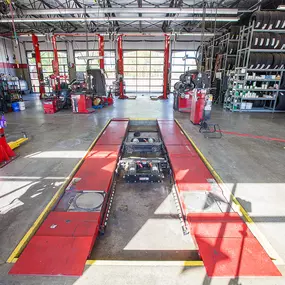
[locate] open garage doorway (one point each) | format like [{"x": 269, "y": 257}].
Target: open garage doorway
[{"x": 143, "y": 71}]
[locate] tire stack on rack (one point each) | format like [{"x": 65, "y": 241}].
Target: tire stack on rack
[
  {"x": 270, "y": 20},
  {"x": 267, "y": 61}
]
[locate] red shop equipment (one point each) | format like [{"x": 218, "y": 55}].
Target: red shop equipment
[
  {"x": 51, "y": 105},
  {"x": 197, "y": 106},
  {"x": 184, "y": 102},
  {"x": 6, "y": 153},
  {"x": 81, "y": 103}
]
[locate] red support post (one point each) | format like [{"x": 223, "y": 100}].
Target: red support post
[
  {"x": 121, "y": 67},
  {"x": 166, "y": 68},
  {"x": 101, "y": 51},
  {"x": 55, "y": 62},
  {"x": 39, "y": 64}
]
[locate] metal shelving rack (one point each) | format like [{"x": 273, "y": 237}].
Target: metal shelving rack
[
  {"x": 234, "y": 101},
  {"x": 222, "y": 40}
]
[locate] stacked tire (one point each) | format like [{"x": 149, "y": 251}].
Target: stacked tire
[
  {"x": 268, "y": 20},
  {"x": 268, "y": 40},
  {"x": 266, "y": 61}
]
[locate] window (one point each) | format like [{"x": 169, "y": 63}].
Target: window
[
  {"x": 143, "y": 71},
  {"x": 46, "y": 59},
  {"x": 181, "y": 62},
  {"x": 109, "y": 64}
]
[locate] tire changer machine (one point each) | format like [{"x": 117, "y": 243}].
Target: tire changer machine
[
  {"x": 192, "y": 95},
  {"x": 95, "y": 88}
]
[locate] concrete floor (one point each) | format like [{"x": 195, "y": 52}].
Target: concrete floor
[
  {"x": 144, "y": 225},
  {"x": 252, "y": 168}
]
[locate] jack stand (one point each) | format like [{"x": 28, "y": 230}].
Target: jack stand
[{"x": 211, "y": 131}]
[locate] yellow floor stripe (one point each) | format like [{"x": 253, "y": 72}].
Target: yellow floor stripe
[
  {"x": 21, "y": 245},
  {"x": 215, "y": 174},
  {"x": 187, "y": 263},
  {"x": 144, "y": 263}
]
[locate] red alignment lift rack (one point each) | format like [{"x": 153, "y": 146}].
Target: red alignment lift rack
[
  {"x": 226, "y": 245},
  {"x": 65, "y": 239},
  {"x": 39, "y": 65}
]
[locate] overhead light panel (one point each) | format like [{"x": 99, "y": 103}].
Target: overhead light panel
[
  {"x": 281, "y": 7},
  {"x": 192, "y": 11}
]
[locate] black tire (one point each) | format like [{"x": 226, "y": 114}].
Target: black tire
[
  {"x": 278, "y": 42},
  {"x": 266, "y": 20},
  {"x": 278, "y": 21},
  {"x": 253, "y": 60},
  {"x": 277, "y": 58},
  {"x": 234, "y": 32},
  {"x": 258, "y": 18},
  {"x": 182, "y": 77},
  {"x": 282, "y": 62},
  {"x": 273, "y": 18},
  {"x": 230, "y": 64},
  {"x": 255, "y": 40},
  {"x": 261, "y": 41},
  {"x": 282, "y": 46},
  {"x": 232, "y": 48},
  {"x": 266, "y": 43},
  {"x": 282, "y": 18},
  {"x": 272, "y": 40},
  {"x": 177, "y": 85},
  {"x": 269, "y": 60}
]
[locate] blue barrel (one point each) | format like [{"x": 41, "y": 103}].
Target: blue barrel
[{"x": 16, "y": 107}]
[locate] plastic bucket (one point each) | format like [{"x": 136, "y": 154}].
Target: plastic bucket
[
  {"x": 22, "y": 106},
  {"x": 15, "y": 107}
]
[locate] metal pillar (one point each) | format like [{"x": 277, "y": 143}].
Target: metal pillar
[
  {"x": 55, "y": 63},
  {"x": 121, "y": 68},
  {"x": 101, "y": 51},
  {"x": 39, "y": 65},
  {"x": 166, "y": 68}
]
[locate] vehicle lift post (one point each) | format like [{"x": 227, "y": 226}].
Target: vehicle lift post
[
  {"x": 165, "y": 68},
  {"x": 121, "y": 68},
  {"x": 39, "y": 65},
  {"x": 55, "y": 62},
  {"x": 101, "y": 51}
]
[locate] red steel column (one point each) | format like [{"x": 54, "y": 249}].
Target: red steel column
[
  {"x": 55, "y": 62},
  {"x": 121, "y": 67},
  {"x": 39, "y": 64},
  {"x": 101, "y": 51},
  {"x": 166, "y": 68}
]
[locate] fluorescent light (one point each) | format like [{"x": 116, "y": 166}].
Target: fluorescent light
[
  {"x": 281, "y": 7},
  {"x": 62, "y": 11},
  {"x": 129, "y": 19}
]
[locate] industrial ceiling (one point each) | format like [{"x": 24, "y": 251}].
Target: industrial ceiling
[{"x": 122, "y": 16}]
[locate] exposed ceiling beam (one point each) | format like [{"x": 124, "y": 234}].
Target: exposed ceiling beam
[
  {"x": 124, "y": 19},
  {"x": 130, "y": 34}
]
